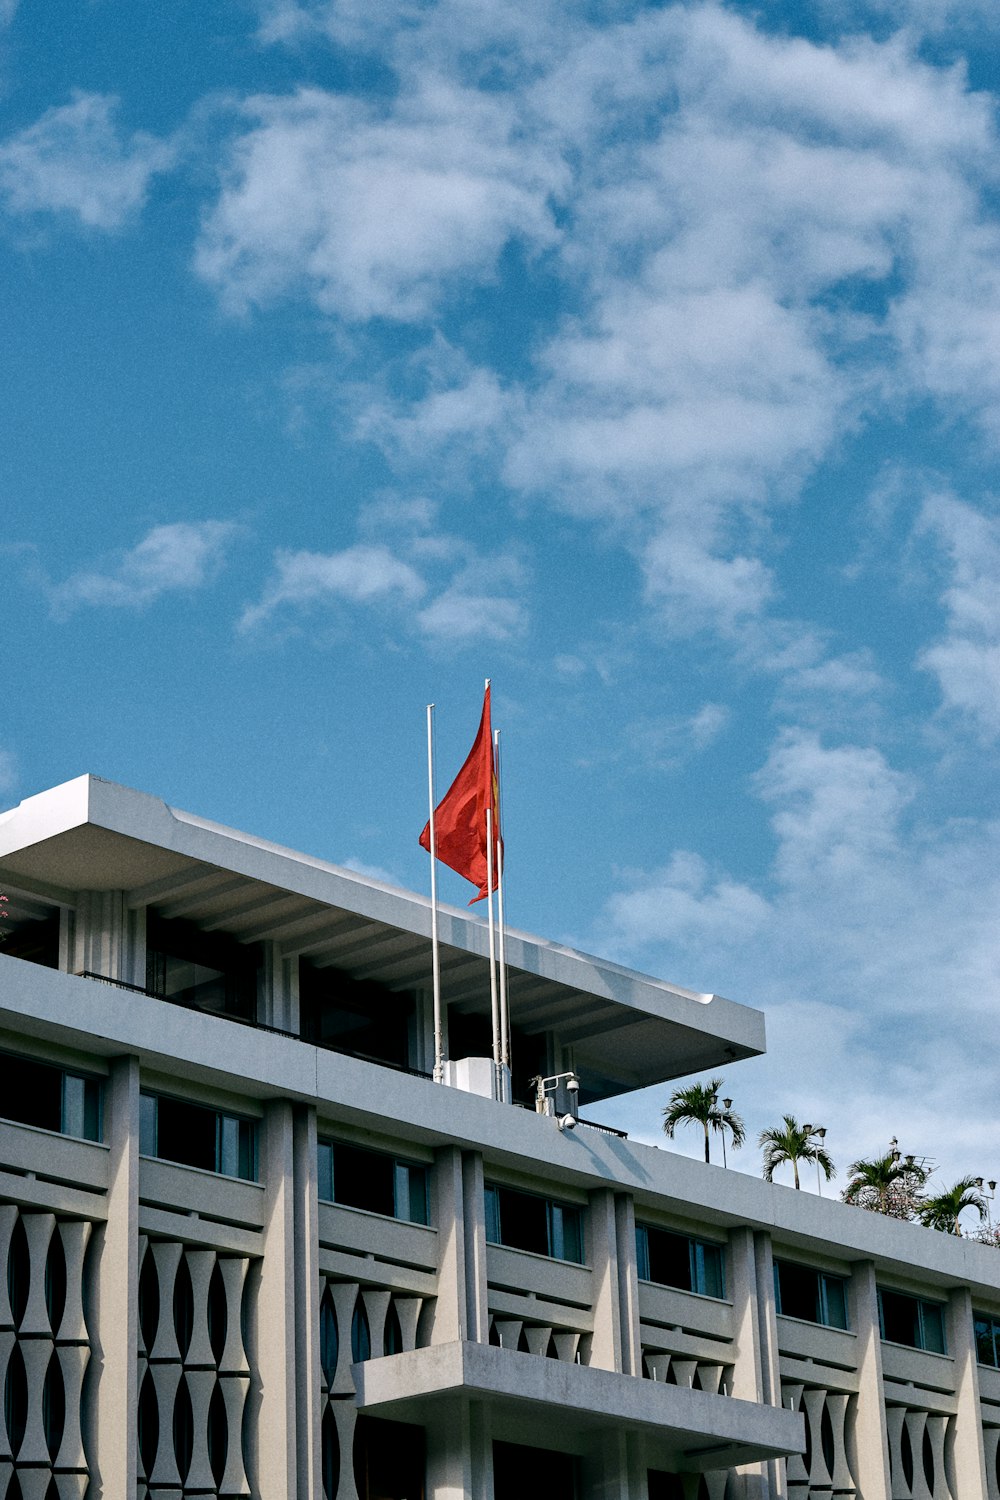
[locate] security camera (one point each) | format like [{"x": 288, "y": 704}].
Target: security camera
[
  {"x": 566, "y": 1122},
  {"x": 573, "y": 1084}
]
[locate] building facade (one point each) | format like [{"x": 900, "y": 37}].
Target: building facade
[{"x": 253, "y": 1249}]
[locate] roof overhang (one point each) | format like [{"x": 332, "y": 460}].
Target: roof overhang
[{"x": 627, "y": 1030}]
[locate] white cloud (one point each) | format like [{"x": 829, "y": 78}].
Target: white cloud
[
  {"x": 182, "y": 555},
  {"x": 359, "y": 575},
  {"x": 871, "y": 942},
  {"x": 76, "y": 160},
  {"x": 373, "y": 214},
  {"x": 966, "y": 661},
  {"x": 464, "y": 596}
]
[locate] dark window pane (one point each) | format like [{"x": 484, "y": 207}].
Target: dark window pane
[
  {"x": 642, "y": 1252},
  {"x": 835, "y": 1296},
  {"x": 523, "y": 1221},
  {"x": 205, "y": 970},
  {"x": 567, "y": 1233},
  {"x": 932, "y": 1327},
  {"x": 900, "y": 1319},
  {"x": 324, "y": 1170},
  {"x": 30, "y": 1092},
  {"x": 358, "y": 1017},
  {"x": 186, "y": 1133},
  {"x": 670, "y": 1259},
  {"x": 985, "y": 1346},
  {"x": 363, "y": 1179},
  {"x": 708, "y": 1269},
  {"x": 798, "y": 1291},
  {"x": 492, "y": 1215}
]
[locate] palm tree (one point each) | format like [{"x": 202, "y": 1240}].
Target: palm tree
[
  {"x": 886, "y": 1184},
  {"x": 942, "y": 1211},
  {"x": 698, "y": 1104},
  {"x": 793, "y": 1142}
]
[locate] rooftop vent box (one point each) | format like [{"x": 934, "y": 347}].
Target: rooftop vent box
[{"x": 475, "y": 1075}]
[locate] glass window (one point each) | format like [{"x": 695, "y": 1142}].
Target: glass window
[
  {"x": 678, "y": 1260},
  {"x": 526, "y": 1221},
  {"x": 194, "y": 1135},
  {"x": 813, "y": 1296},
  {"x": 372, "y": 1180},
  {"x": 36, "y": 1093},
  {"x": 911, "y": 1321},
  {"x": 987, "y": 1339}
]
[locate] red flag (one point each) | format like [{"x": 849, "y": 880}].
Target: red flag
[{"x": 460, "y": 816}]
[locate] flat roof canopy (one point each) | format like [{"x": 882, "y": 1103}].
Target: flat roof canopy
[
  {"x": 541, "y": 1399},
  {"x": 627, "y": 1030}
]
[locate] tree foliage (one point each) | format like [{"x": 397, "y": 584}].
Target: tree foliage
[
  {"x": 792, "y": 1142},
  {"x": 889, "y": 1184},
  {"x": 699, "y": 1104}
]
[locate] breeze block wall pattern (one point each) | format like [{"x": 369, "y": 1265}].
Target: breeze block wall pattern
[
  {"x": 44, "y": 1354},
  {"x": 193, "y": 1372}
]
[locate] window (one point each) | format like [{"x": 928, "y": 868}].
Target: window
[
  {"x": 372, "y": 1180},
  {"x": 358, "y": 1017},
  {"x": 204, "y": 970},
  {"x": 523, "y": 1221},
  {"x": 813, "y": 1296},
  {"x": 911, "y": 1321},
  {"x": 35, "y": 1093},
  {"x": 987, "y": 1339},
  {"x": 677, "y": 1260},
  {"x": 194, "y": 1135}
]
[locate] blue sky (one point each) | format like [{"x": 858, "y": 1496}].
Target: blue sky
[{"x": 644, "y": 358}]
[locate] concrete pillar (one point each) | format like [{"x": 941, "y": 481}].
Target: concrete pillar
[
  {"x": 614, "y": 1468},
  {"x": 477, "y": 1322},
  {"x": 767, "y": 1337},
  {"x": 286, "y": 1002},
  {"x": 628, "y": 1284},
  {"x": 968, "y": 1467},
  {"x": 451, "y": 1315},
  {"x": 606, "y": 1350},
  {"x": 110, "y": 1421},
  {"x": 102, "y": 937},
  {"x": 867, "y": 1443},
  {"x": 306, "y": 1290},
  {"x": 274, "y": 1324},
  {"x": 741, "y": 1288},
  {"x": 460, "y": 1453}
]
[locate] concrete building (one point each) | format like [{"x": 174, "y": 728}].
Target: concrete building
[{"x": 253, "y": 1249}]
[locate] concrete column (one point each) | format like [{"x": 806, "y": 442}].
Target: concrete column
[
  {"x": 741, "y": 1287},
  {"x": 606, "y": 1350},
  {"x": 968, "y": 1474},
  {"x": 628, "y": 1284},
  {"x": 306, "y": 1286},
  {"x": 287, "y": 997},
  {"x": 451, "y": 1316},
  {"x": 770, "y": 1369},
  {"x": 110, "y": 1421},
  {"x": 274, "y": 1324},
  {"x": 102, "y": 936},
  {"x": 460, "y": 1453},
  {"x": 477, "y": 1322},
  {"x": 867, "y": 1443},
  {"x": 614, "y": 1468}
]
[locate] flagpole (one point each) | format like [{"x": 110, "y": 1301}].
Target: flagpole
[
  {"x": 435, "y": 949},
  {"x": 504, "y": 1010}
]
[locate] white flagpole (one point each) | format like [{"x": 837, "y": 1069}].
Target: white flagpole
[
  {"x": 494, "y": 1002},
  {"x": 504, "y": 1011},
  {"x": 435, "y": 951}
]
